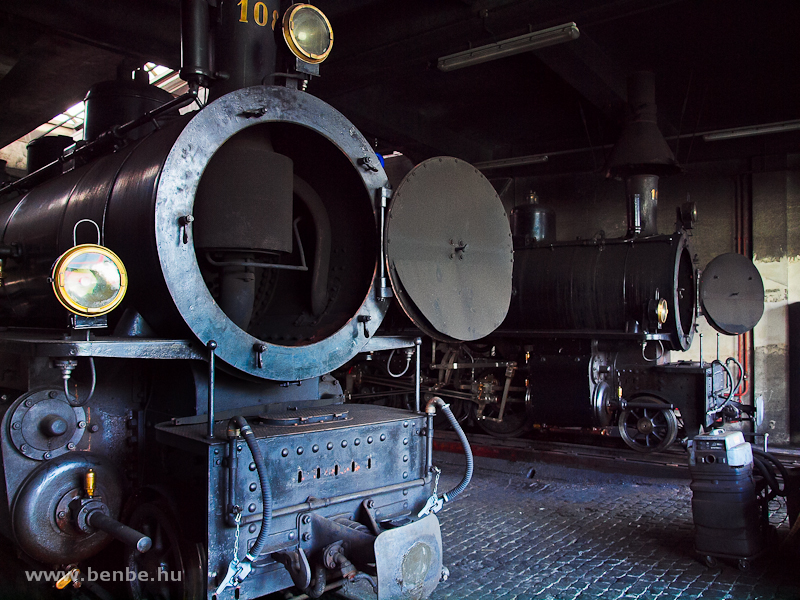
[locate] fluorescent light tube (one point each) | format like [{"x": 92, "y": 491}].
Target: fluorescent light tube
[{"x": 515, "y": 45}]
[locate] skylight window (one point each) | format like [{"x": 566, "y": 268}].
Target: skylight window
[{"x": 70, "y": 122}]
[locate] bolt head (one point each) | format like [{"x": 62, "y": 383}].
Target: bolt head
[
  {"x": 306, "y": 519},
  {"x": 306, "y": 536}
]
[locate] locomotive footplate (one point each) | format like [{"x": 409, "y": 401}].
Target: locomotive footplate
[{"x": 347, "y": 483}]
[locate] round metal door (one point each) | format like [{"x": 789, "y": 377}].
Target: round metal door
[
  {"x": 449, "y": 251},
  {"x": 732, "y": 294}
]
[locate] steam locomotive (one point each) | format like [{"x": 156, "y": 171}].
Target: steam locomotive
[
  {"x": 176, "y": 290},
  {"x": 587, "y": 339}
]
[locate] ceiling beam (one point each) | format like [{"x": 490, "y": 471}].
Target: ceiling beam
[{"x": 149, "y": 29}]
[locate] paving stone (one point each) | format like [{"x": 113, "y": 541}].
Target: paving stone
[{"x": 576, "y": 535}]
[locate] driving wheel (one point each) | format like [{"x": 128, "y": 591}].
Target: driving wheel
[
  {"x": 648, "y": 429},
  {"x": 514, "y": 423},
  {"x": 173, "y": 568}
]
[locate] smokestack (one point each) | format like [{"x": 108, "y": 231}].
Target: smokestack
[
  {"x": 641, "y": 156},
  {"x": 228, "y": 46}
]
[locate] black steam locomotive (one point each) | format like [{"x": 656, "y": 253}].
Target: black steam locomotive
[
  {"x": 587, "y": 339},
  {"x": 176, "y": 291}
]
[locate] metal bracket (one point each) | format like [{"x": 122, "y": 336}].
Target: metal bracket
[
  {"x": 259, "y": 349},
  {"x": 365, "y": 162},
  {"x": 183, "y": 223},
  {"x": 365, "y": 319},
  {"x": 212, "y": 347},
  {"x": 254, "y": 113},
  {"x": 385, "y": 288},
  {"x": 368, "y": 506},
  {"x": 296, "y": 563}
]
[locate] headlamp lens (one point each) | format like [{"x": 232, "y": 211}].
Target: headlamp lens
[
  {"x": 662, "y": 312},
  {"x": 308, "y": 33},
  {"x": 89, "y": 280}
]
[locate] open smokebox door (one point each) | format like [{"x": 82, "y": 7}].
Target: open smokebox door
[
  {"x": 732, "y": 294},
  {"x": 449, "y": 251}
]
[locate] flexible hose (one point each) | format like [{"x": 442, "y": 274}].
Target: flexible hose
[
  {"x": 766, "y": 472},
  {"x": 266, "y": 493},
  {"x": 389, "y": 362},
  {"x": 741, "y": 374},
  {"x": 91, "y": 388},
  {"x": 784, "y": 473},
  {"x": 452, "y": 494}
]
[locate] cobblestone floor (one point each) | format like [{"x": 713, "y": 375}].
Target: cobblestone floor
[{"x": 570, "y": 534}]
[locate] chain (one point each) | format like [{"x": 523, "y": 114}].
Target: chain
[
  {"x": 236, "y": 540},
  {"x": 438, "y": 472}
]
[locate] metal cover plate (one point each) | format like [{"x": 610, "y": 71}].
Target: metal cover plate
[
  {"x": 732, "y": 294},
  {"x": 409, "y": 560},
  {"x": 449, "y": 252}
]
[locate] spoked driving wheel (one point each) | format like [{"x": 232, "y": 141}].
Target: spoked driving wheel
[
  {"x": 648, "y": 429},
  {"x": 173, "y": 569},
  {"x": 514, "y": 423}
]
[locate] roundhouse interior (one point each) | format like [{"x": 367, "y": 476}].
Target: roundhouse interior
[{"x": 541, "y": 121}]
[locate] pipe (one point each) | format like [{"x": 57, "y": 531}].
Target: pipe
[
  {"x": 318, "y": 588},
  {"x": 263, "y": 480},
  {"x": 641, "y": 193},
  {"x": 104, "y": 142},
  {"x": 429, "y": 442},
  {"x": 98, "y": 520},
  {"x": 743, "y": 226},
  {"x": 195, "y": 43},
  {"x": 430, "y": 410},
  {"x": 418, "y": 371}
]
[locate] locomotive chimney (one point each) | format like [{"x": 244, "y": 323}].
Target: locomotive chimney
[
  {"x": 641, "y": 156},
  {"x": 231, "y": 46}
]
